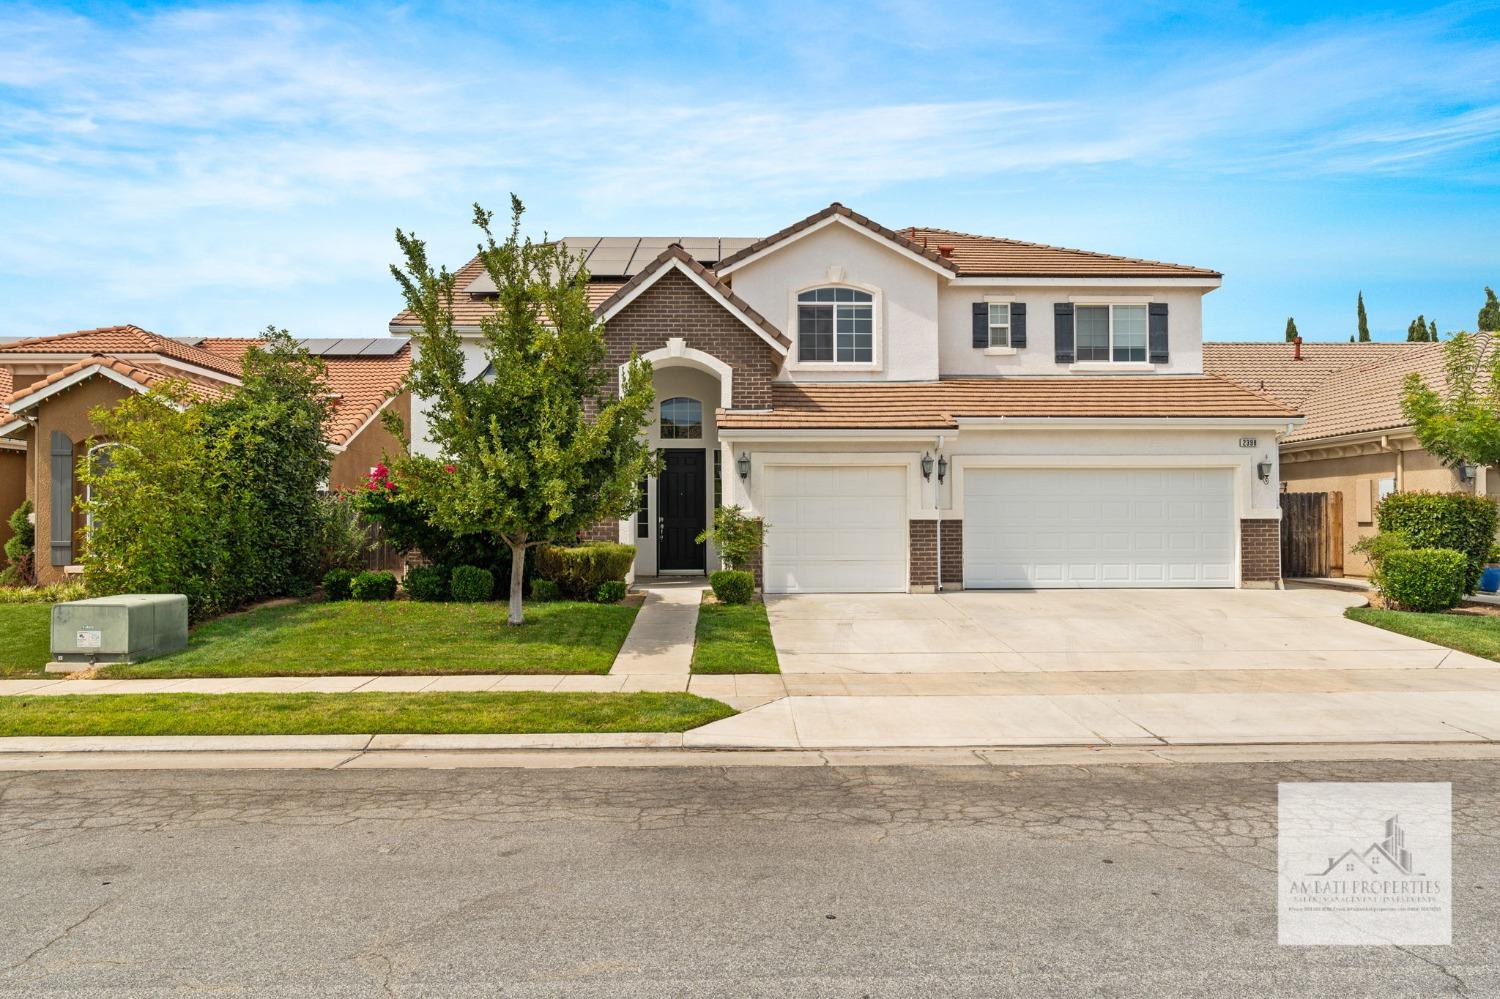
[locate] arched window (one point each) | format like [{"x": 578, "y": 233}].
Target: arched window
[
  {"x": 836, "y": 324},
  {"x": 681, "y": 419}
]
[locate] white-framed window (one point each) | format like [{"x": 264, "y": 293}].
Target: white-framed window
[
  {"x": 643, "y": 511},
  {"x": 1111, "y": 332},
  {"x": 681, "y": 419},
  {"x": 999, "y": 324},
  {"x": 836, "y": 325}
]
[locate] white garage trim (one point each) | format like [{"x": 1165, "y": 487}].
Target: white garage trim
[{"x": 797, "y": 518}]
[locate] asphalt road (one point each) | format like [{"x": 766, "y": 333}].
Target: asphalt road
[{"x": 1041, "y": 881}]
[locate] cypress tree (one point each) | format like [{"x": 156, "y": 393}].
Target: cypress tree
[
  {"x": 1416, "y": 330},
  {"x": 1291, "y": 329},
  {"x": 1489, "y": 316},
  {"x": 1364, "y": 321}
]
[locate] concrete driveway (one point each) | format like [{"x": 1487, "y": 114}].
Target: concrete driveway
[{"x": 1055, "y": 630}]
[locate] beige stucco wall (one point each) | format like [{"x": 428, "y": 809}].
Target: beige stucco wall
[
  {"x": 12, "y": 492},
  {"x": 373, "y": 443},
  {"x": 1413, "y": 469},
  {"x": 66, "y": 412}
]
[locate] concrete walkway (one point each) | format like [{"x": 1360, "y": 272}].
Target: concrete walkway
[{"x": 660, "y": 642}]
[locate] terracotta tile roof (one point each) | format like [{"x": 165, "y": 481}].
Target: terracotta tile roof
[
  {"x": 902, "y": 239},
  {"x": 677, "y": 253},
  {"x": 996, "y": 256},
  {"x": 1271, "y": 367},
  {"x": 940, "y": 404},
  {"x": 362, "y": 385},
  {"x": 468, "y": 309},
  {"x": 7, "y": 386},
  {"x": 145, "y": 375},
  {"x": 123, "y": 341},
  {"x": 1343, "y": 388}
]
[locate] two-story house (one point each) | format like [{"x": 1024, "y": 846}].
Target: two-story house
[{"x": 917, "y": 408}]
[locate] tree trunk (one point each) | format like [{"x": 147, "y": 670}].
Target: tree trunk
[{"x": 517, "y": 574}]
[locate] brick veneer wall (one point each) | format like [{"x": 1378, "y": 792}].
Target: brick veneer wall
[
  {"x": 923, "y": 568},
  {"x": 676, "y": 307},
  {"x": 1260, "y": 551}
]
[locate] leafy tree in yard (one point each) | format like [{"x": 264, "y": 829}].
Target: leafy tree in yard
[
  {"x": 1291, "y": 329},
  {"x": 1364, "y": 321},
  {"x": 1489, "y": 315},
  {"x": 541, "y": 451},
  {"x": 1460, "y": 423}
]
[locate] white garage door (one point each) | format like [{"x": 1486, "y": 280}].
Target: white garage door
[
  {"x": 1098, "y": 527},
  {"x": 835, "y": 529}
]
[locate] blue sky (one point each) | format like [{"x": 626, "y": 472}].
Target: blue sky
[{"x": 206, "y": 170}]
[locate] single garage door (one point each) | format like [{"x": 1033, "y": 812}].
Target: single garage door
[
  {"x": 835, "y": 529},
  {"x": 1098, "y": 527}
]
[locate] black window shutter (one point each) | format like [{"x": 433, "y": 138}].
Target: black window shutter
[
  {"x": 1018, "y": 324},
  {"x": 1062, "y": 319},
  {"x": 62, "y": 499},
  {"x": 1158, "y": 349},
  {"x": 981, "y": 324}
]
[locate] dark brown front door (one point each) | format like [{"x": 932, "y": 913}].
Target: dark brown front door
[{"x": 681, "y": 501}]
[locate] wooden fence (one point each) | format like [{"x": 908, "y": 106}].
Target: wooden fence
[{"x": 1312, "y": 534}]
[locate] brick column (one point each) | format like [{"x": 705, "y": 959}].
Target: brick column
[
  {"x": 923, "y": 541},
  {"x": 1260, "y": 552}
]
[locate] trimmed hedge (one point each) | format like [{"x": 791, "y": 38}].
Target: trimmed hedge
[
  {"x": 732, "y": 586},
  {"x": 1425, "y": 579},
  {"x": 373, "y": 586},
  {"x": 472, "y": 585},
  {"x": 336, "y": 583},
  {"x": 1456, "y": 521},
  {"x": 611, "y": 592},
  {"x": 545, "y": 590},
  {"x": 579, "y": 570},
  {"x": 427, "y": 583}
]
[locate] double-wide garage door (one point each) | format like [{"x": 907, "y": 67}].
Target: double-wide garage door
[
  {"x": 1098, "y": 527},
  {"x": 835, "y": 529}
]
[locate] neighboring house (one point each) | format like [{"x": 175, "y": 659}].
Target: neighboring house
[
  {"x": 1355, "y": 441},
  {"x": 869, "y": 391},
  {"x": 52, "y": 383}
]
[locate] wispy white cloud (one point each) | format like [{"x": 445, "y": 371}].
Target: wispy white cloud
[{"x": 137, "y": 142}]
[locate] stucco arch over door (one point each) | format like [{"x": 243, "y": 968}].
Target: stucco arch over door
[{"x": 678, "y": 354}]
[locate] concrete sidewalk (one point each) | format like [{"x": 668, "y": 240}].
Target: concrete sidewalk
[{"x": 660, "y": 642}]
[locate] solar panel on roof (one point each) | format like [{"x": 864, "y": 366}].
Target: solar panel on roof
[
  {"x": 385, "y": 346},
  {"x": 482, "y": 285},
  {"x": 730, "y": 245},
  {"x": 318, "y": 346}
]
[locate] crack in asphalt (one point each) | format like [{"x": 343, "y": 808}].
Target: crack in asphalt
[{"x": 59, "y": 938}]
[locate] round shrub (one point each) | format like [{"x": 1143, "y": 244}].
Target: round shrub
[
  {"x": 336, "y": 583},
  {"x": 428, "y": 583},
  {"x": 1458, "y": 521},
  {"x": 545, "y": 590},
  {"x": 472, "y": 585},
  {"x": 611, "y": 592},
  {"x": 579, "y": 570},
  {"x": 732, "y": 586},
  {"x": 373, "y": 586},
  {"x": 1425, "y": 579}
]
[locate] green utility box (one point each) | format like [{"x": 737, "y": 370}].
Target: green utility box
[{"x": 123, "y": 629}]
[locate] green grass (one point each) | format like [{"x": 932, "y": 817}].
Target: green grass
[
  {"x": 1471, "y": 633},
  {"x": 398, "y": 637},
  {"x": 734, "y": 638},
  {"x": 353, "y": 714},
  {"x": 25, "y": 639}
]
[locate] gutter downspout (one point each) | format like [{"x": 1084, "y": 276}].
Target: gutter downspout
[{"x": 937, "y": 502}]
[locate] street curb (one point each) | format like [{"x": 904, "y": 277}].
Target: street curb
[{"x": 319, "y": 743}]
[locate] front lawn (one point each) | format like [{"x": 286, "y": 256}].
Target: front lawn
[
  {"x": 734, "y": 638},
  {"x": 398, "y": 637},
  {"x": 25, "y": 639},
  {"x": 354, "y": 714},
  {"x": 1475, "y": 634}
]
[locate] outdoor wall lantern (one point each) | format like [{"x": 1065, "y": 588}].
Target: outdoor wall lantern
[
  {"x": 942, "y": 467},
  {"x": 743, "y": 464},
  {"x": 926, "y": 465},
  {"x": 1465, "y": 472},
  {"x": 1263, "y": 469}
]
